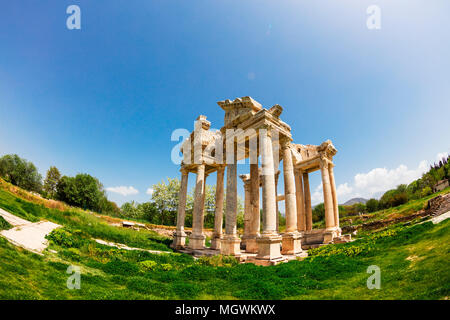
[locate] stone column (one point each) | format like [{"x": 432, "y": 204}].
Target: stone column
[
  {"x": 179, "y": 240},
  {"x": 307, "y": 194},
  {"x": 277, "y": 175},
  {"x": 291, "y": 238},
  {"x": 269, "y": 241},
  {"x": 334, "y": 194},
  {"x": 218, "y": 213},
  {"x": 250, "y": 244},
  {"x": 327, "y": 196},
  {"x": 301, "y": 218},
  {"x": 197, "y": 238},
  {"x": 230, "y": 242},
  {"x": 247, "y": 209}
]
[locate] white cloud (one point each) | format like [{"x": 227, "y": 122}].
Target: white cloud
[
  {"x": 122, "y": 190},
  {"x": 343, "y": 190},
  {"x": 373, "y": 183},
  {"x": 381, "y": 179},
  {"x": 317, "y": 194},
  {"x": 441, "y": 155},
  {"x": 149, "y": 191}
]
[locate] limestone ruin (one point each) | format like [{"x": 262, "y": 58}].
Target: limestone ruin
[{"x": 258, "y": 134}]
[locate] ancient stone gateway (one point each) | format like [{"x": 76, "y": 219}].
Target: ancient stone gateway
[{"x": 259, "y": 135}]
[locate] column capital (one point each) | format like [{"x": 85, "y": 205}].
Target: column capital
[
  {"x": 324, "y": 162},
  {"x": 285, "y": 142},
  {"x": 184, "y": 171},
  {"x": 267, "y": 127}
]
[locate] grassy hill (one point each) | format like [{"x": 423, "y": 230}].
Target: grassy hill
[{"x": 413, "y": 261}]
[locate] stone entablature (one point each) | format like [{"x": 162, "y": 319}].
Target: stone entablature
[{"x": 251, "y": 131}]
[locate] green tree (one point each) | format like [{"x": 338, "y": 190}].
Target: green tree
[
  {"x": 319, "y": 212},
  {"x": 372, "y": 205},
  {"x": 165, "y": 198},
  {"x": 20, "y": 172},
  {"x": 51, "y": 182},
  {"x": 82, "y": 191}
]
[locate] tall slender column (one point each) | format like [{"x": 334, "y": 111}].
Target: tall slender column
[
  {"x": 197, "y": 238},
  {"x": 230, "y": 242},
  {"x": 218, "y": 213},
  {"x": 179, "y": 240},
  {"x": 251, "y": 245},
  {"x": 308, "y": 209},
  {"x": 327, "y": 196},
  {"x": 269, "y": 242},
  {"x": 247, "y": 210},
  {"x": 334, "y": 194},
  {"x": 301, "y": 219},
  {"x": 277, "y": 175},
  {"x": 291, "y": 238}
]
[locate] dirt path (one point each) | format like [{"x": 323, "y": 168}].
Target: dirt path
[
  {"x": 26, "y": 234},
  {"x": 122, "y": 246}
]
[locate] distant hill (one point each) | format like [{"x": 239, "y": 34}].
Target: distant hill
[{"x": 355, "y": 200}]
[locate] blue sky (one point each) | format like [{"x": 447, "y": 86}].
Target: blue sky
[{"x": 105, "y": 99}]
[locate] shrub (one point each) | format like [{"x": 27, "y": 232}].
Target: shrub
[
  {"x": 426, "y": 191},
  {"x": 148, "y": 265},
  {"x": 218, "y": 261},
  {"x": 4, "y": 225},
  {"x": 64, "y": 238}
]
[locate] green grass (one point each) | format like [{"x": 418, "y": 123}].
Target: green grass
[
  {"x": 80, "y": 220},
  {"x": 413, "y": 262},
  {"x": 406, "y": 209}
]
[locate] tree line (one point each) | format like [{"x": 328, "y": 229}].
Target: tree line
[
  {"x": 83, "y": 190},
  {"x": 163, "y": 206},
  {"x": 403, "y": 193}
]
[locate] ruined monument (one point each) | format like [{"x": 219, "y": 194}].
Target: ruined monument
[{"x": 258, "y": 134}]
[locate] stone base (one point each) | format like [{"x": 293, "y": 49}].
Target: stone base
[
  {"x": 197, "y": 242},
  {"x": 179, "y": 240},
  {"x": 319, "y": 236},
  {"x": 330, "y": 234},
  {"x": 251, "y": 245},
  {"x": 230, "y": 246},
  {"x": 291, "y": 243},
  {"x": 215, "y": 243},
  {"x": 269, "y": 247}
]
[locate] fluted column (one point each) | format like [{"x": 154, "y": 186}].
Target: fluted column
[
  {"x": 334, "y": 194},
  {"x": 327, "y": 196},
  {"x": 291, "y": 237},
  {"x": 269, "y": 242},
  {"x": 277, "y": 175},
  {"x": 247, "y": 210},
  {"x": 301, "y": 219},
  {"x": 218, "y": 213},
  {"x": 308, "y": 209},
  {"x": 197, "y": 238},
  {"x": 251, "y": 245},
  {"x": 179, "y": 240},
  {"x": 230, "y": 242}
]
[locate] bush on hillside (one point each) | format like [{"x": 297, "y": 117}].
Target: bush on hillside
[{"x": 4, "y": 225}]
